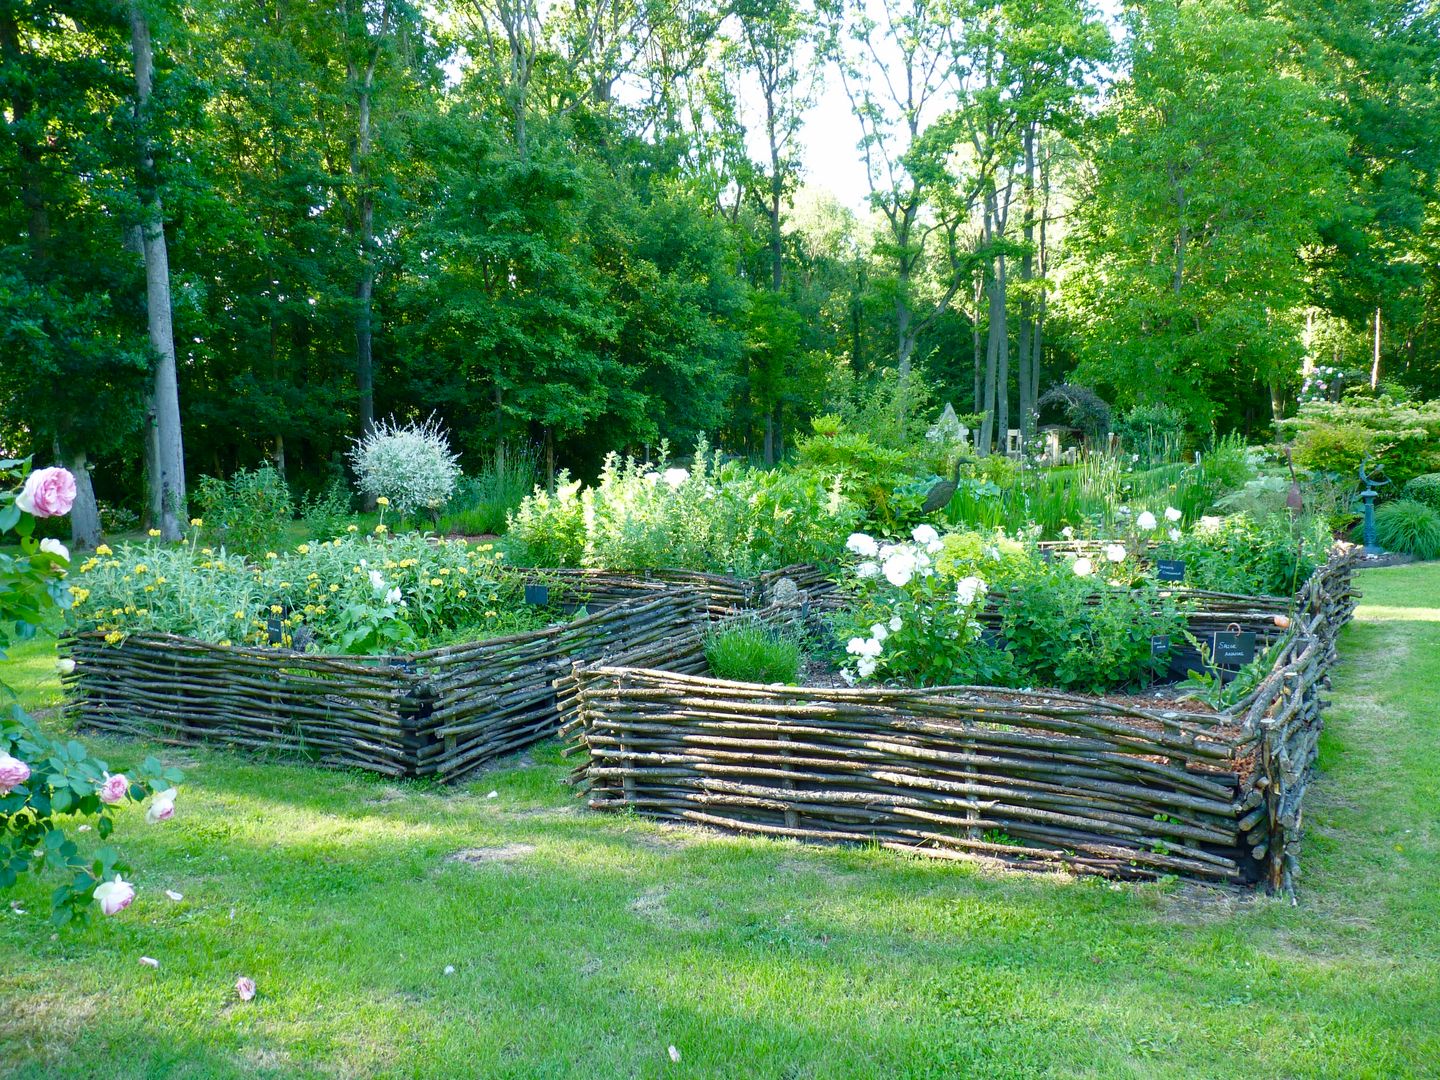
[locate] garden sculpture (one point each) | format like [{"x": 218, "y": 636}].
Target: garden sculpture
[{"x": 1369, "y": 495}]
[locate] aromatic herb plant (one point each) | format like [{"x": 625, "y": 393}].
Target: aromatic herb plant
[{"x": 753, "y": 652}]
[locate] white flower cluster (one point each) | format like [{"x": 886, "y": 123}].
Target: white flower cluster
[
  {"x": 377, "y": 582},
  {"x": 899, "y": 563},
  {"x": 409, "y": 464},
  {"x": 673, "y": 477}
]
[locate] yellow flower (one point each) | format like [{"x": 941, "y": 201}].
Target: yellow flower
[
  {"x": 239, "y": 614},
  {"x": 462, "y": 570},
  {"x": 114, "y": 637},
  {"x": 352, "y": 528},
  {"x": 334, "y": 587},
  {"x": 141, "y": 568},
  {"x": 462, "y": 594},
  {"x": 391, "y": 564},
  {"x": 303, "y": 549},
  {"x": 382, "y": 501},
  {"x": 284, "y": 584},
  {"x": 490, "y": 614},
  {"x": 207, "y": 551},
  {"x": 380, "y": 530},
  {"x": 197, "y": 522},
  {"x": 444, "y": 570},
  {"x": 276, "y": 609},
  {"x": 149, "y": 588},
  {"x": 320, "y": 609},
  {"x": 225, "y": 643},
  {"x": 271, "y": 555},
  {"x": 78, "y": 594},
  {"x": 312, "y": 576},
  {"x": 88, "y": 565},
  {"x": 104, "y": 549},
  {"x": 161, "y": 580},
  {"x": 436, "y": 582},
  {"x": 153, "y": 533}
]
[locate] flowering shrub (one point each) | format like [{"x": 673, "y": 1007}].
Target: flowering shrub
[
  {"x": 913, "y": 623},
  {"x": 46, "y": 783},
  {"x": 409, "y": 465},
  {"x": 1083, "y": 623},
  {"x": 714, "y": 517},
  {"x": 356, "y": 593}
]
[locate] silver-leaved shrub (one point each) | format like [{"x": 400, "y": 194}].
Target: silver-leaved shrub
[{"x": 409, "y": 464}]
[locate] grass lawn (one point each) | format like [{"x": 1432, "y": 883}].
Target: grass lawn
[{"x": 586, "y": 945}]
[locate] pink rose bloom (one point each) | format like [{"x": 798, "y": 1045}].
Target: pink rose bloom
[
  {"x": 114, "y": 896},
  {"x": 245, "y": 988},
  {"x": 114, "y": 789},
  {"x": 12, "y": 771},
  {"x": 162, "y": 807},
  {"x": 47, "y": 493}
]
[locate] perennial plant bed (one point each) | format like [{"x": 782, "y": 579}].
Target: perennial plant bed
[
  {"x": 1103, "y": 784},
  {"x": 439, "y": 713}
]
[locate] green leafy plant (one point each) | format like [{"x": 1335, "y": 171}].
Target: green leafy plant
[
  {"x": 482, "y": 502},
  {"x": 248, "y": 512},
  {"x": 1409, "y": 527},
  {"x": 1424, "y": 488},
  {"x": 753, "y": 652},
  {"x": 1273, "y": 555},
  {"x": 46, "y": 784},
  {"x": 326, "y": 513},
  {"x": 1153, "y": 432},
  {"x": 1211, "y": 687}
]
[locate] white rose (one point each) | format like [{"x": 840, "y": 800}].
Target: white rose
[
  {"x": 1115, "y": 552},
  {"x": 900, "y": 568},
  {"x": 1174, "y": 534},
  {"x": 871, "y": 648},
  {"x": 879, "y": 632},
  {"x": 868, "y": 569},
  {"x": 1083, "y": 567},
  {"x": 393, "y": 596},
  {"x": 865, "y": 667},
  {"x": 854, "y": 646},
  {"x": 862, "y": 544},
  {"x": 377, "y": 581},
  {"x": 1171, "y": 514},
  {"x": 1146, "y": 521},
  {"x": 1209, "y": 523},
  {"x": 895, "y": 622},
  {"x": 969, "y": 589},
  {"x": 1068, "y": 533},
  {"x": 675, "y": 477},
  {"x": 925, "y": 534},
  {"x": 51, "y": 546}
]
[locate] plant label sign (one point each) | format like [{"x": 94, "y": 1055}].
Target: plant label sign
[
  {"x": 1159, "y": 646},
  {"x": 1170, "y": 569},
  {"x": 1234, "y": 649},
  {"x": 539, "y": 595}
]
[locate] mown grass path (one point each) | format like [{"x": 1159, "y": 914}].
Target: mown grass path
[{"x": 586, "y": 945}]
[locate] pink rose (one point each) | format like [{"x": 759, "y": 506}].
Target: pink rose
[
  {"x": 114, "y": 789},
  {"x": 245, "y": 988},
  {"x": 47, "y": 493},
  {"x": 12, "y": 771},
  {"x": 113, "y": 896},
  {"x": 162, "y": 807}
]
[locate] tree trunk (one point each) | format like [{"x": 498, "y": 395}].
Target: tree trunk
[
  {"x": 1375, "y": 364},
  {"x": 169, "y": 482},
  {"x": 769, "y": 438},
  {"x": 1027, "y": 275},
  {"x": 987, "y": 407},
  {"x": 365, "y": 230},
  {"x": 975, "y": 342},
  {"x": 1000, "y": 335},
  {"x": 85, "y": 514}
]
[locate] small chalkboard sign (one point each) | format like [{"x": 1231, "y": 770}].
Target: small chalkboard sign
[
  {"x": 1170, "y": 569},
  {"x": 1159, "y": 646},
  {"x": 1234, "y": 649},
  {"x": 274, "y": 630},
  {"x": 1046, "y": 555},
  {"x": 539, "y": 595}
]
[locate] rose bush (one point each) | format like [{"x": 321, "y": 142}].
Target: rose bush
[{"x": 46, "y": 783}]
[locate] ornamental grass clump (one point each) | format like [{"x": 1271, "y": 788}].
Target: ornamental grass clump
[
  {"x": 1409, "y": 527},
  {"x": 752, "y": 652},
  {"x": 410, "y": 465}
]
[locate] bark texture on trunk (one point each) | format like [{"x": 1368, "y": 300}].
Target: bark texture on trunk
[
  {"x": 85, "y": 514},
  {"x": 167, "y": 484}
]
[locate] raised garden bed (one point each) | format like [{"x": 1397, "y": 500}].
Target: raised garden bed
[
  {"x": 1107, "y": 785},
  {"x": 441, "y": 712}
]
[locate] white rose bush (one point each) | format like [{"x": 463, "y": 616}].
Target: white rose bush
[
  {"x": 46, "y": 784},
  {"x": 912, "y": 623}
]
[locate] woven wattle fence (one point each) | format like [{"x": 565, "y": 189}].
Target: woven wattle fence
[
  {"x": 441, "y": 713},
  {"x": 1109, "y": 786},
  {"x": 724, "y": 593}
]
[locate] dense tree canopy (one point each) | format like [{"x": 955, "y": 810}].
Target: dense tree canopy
[{"x": 588, "y": 225}]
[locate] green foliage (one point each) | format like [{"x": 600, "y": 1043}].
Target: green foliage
[
  {"x": 753, "y": 652},
  {"x": 1083, "y": 408},
  {"x": 1271, "y": 556},
  {"x": 1424, "y": 488},
  {"x": 354, "y": 593},
  {"x": 1086, "y": 632},
  {"x": 326, "y": 513},
  {"x": 61, "y": 780},
  {"x": 484, "y": 500},
  {"x": 1410, "y": 527},
  {"x": 1228, "y": 465},
  {"x": 870, "y": 475},
  {"x": 726, "y": 518},
  {"x": 247, "y": 513},
  {"x": 1404, "y": 437},
  {"x": 1154, "y": 432},
  {"x": 1335, "y": 450}
]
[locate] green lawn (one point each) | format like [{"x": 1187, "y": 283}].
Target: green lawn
[{"x": 587, "y": 945}]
